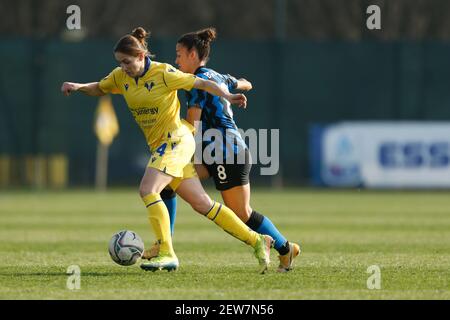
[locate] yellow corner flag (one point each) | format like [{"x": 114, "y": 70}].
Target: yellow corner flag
[{"x": 106, "y": 125}]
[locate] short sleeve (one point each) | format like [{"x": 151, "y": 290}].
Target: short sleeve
[
  {"x": 110, "y": 83},
  {"x": 174, "y": 79},
  {"x": 232, "y": 82}
]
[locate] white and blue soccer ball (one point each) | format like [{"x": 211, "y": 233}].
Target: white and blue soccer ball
[{"x": 126, "y": 247}]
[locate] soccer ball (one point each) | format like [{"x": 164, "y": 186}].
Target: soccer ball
[{"x": 126, "y": 247}]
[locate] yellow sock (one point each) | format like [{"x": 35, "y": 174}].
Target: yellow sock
[
  {"x": 158, "y": 217},
  {"x": 230, "y": 222}
]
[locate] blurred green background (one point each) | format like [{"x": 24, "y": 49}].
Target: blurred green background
[{"x": 309, "y": 62}]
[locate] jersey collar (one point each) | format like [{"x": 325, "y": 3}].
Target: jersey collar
[
  {"x": 148, "y": 62},
  {"x": 199, "y": 69}
]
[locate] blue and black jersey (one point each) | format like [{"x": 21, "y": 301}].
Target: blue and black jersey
[{"x": 216, "y": 111}]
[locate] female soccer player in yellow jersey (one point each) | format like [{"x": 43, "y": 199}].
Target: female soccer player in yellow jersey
[
  {"x": 231, "y": 177},
  {"x": 150, "y": 91}
]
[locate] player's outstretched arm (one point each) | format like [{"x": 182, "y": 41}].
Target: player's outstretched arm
[
  {"x": 213, "y": 88},
  {"x": 243, "y": 84},
  {"x": 90, "y": 89}
]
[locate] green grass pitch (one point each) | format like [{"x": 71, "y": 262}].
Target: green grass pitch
[{"x": 406, "y": 234}]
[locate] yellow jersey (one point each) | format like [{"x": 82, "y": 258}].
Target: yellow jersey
[{"x": 151, "y": 98}]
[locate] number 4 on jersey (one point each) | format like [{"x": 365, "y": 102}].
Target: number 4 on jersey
[{"x": 161, "y": 149}]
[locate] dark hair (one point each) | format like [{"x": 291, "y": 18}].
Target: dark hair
[
  {"x": 134, "y": 43},
  {"x": 200, "y": 40}
]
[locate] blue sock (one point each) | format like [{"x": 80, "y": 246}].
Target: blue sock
[
  {"x": 170, "y": 200},
  {"x": 264, "y": 225}
]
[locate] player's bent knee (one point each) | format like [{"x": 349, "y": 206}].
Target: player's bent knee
[{"x": 145, "y": 190}]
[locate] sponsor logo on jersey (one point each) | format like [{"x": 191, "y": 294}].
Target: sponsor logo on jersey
[{"x": 144, "y": 110}]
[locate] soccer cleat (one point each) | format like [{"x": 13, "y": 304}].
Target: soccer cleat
[
  {"x": 161, "y": 262},
  {"x": 262, "y": 252},
  {"x": 152, "y": 252},
  {"x": 287, "y": 260}
]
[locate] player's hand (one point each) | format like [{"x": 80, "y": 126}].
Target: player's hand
[
  {"x": 68, "y": 87},
  {"x": 238, "y": 99},
  {"x": 249, "y": 85},
  {"x": 244, "y": 84}
]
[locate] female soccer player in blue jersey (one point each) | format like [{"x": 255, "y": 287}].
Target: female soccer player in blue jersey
[
  {"x": 232, "y": 180},
  {"x": 150, "y": 91}
]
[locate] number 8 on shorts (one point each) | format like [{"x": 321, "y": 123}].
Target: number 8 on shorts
[{"x": 221, "y": 172}]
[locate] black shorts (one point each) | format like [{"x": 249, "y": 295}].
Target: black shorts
[{"x": 227, "y": 176}]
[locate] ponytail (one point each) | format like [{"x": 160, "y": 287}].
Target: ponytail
[
  {"x": 134, "y": 43},
  {"x": 200, "y": 41}
]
